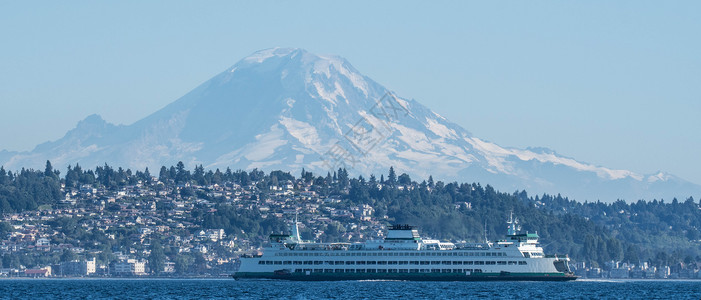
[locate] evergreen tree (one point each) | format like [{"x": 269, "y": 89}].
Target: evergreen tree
[
  {"x": 217, "y": 177},
  {"x": 198, "y": 175},
  {"x": 3, "y": 176},
  {"x": 228, "y": 175},
  {"x": 182, "y": 175},
  {"x": 163, "y": 175},
  {"x": 392, "y": 177},
  {"x": 373, "y": 181},
  {"x": 172, "y": 173},
  {"x": 49, "y": 170},
  {"x": 147, "y": 176},
  {"x": 156, "y": 259}
]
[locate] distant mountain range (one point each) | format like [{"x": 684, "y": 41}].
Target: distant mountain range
[{"x": 289, "y": 109}]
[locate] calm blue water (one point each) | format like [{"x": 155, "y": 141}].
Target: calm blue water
[{"x": 208, "y": 288}]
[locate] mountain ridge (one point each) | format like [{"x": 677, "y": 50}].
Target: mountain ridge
[{"x": 286, "y": 108}]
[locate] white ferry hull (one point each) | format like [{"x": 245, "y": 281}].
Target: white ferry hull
[{"x": 409, "y": 277}]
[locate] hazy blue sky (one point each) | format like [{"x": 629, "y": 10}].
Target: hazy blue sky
[{"x": 614, "y": 83}]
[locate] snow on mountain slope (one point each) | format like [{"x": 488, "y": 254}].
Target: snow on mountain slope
[{"x": 289, "y": 109}]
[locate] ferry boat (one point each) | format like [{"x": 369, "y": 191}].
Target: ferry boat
[{"x": 404, "y": 255}]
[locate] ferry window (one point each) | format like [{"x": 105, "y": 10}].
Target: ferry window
[
  {"x": 491, "y": 262},
  {"x": 522, "y": 263},
  {"x": 446, "y": 262},
  {"x": 381, "y": 262},
  {"x": 339, "y": 270},
  {"x": 350, "y": 262},
  {"x": 512, "y": 262},
  {"x": 436, "y": 270},
  {"x": 287, "y": 262},
  {"x": 488, "y": 254},
  {"x": 435, "y": 262},
  {"x": 319, "y": 270},
  {"x": 371, "y": 271},
  {"x": 318, "y": 262},
  {"x": 328, "y": 270},
  {"x": 479, "y": 263},
  {"x": 467, "y": 263},
  {"x": 372, "y": 262},
  {"x": 403, "y": 262},
  {"x": 381, "y": 270},
  {"x": 482, "y": 254},
  {"x": 360, "y": 262},
  {"x": 457, "y": 262},
  {"x": 478, "y": 270},
  {"x": 360, "y": 271},
  {"x": 392, "y": 270},
  {"x": 338, "y": 262},
  {"x": 425, "y": 262},
  {"x": 391, "y": 262},
  {"x": 446, "y": 270},
  {"x": 414, "y": 262},
  {"x": 277, "y": 262},
  {"x": 501, "y": 263},
  {"x": 260, "y": 262}
]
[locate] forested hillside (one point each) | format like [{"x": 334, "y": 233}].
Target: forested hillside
[{"x": 656, "y": 231}]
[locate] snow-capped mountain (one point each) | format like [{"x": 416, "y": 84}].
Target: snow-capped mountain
[{"x": 290, "y": 109}]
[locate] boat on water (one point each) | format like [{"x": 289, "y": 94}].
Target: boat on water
[{"x": 404, "y": 255}]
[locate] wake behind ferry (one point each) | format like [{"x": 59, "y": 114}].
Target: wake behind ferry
[{"x": 404, "y": 255}]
